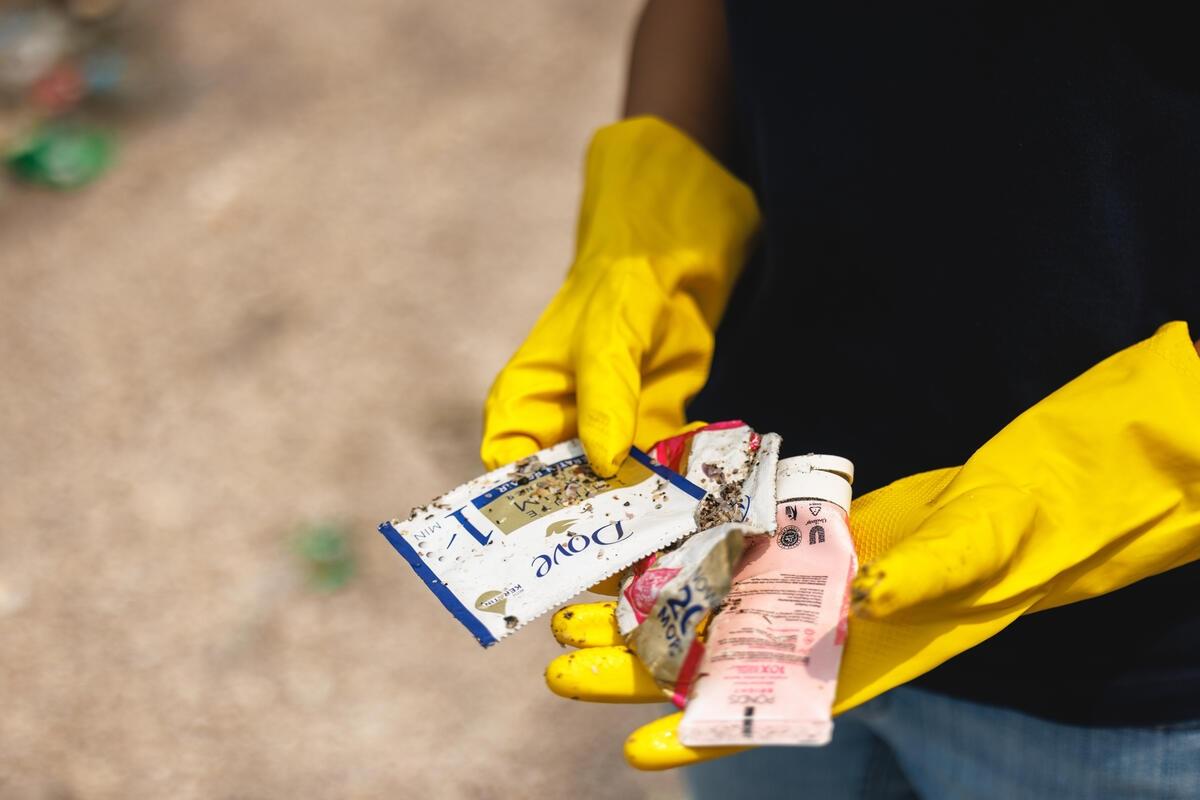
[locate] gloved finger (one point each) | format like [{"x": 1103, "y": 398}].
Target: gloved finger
[
  {"x": 603, "y": 675},
  {"x": 587, "y": 625},
  {"x": 498, "y": 451},
  {"x": 656, "y": 746},
  {"x": 608, "y": 354},
  {"x": 531, "y": 404},
  {"x": 673, "y": 371},
  {"x": 964, "y": 545},
  {"x": 610, "y": 586}
]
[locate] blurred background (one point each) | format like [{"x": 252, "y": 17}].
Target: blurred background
[{"x": 258, "y": 264}]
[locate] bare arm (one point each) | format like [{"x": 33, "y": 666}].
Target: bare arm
[{"x": 679, "y": 69}]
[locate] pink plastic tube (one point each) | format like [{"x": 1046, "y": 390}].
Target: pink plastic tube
[{"x": 769, "y": 671}]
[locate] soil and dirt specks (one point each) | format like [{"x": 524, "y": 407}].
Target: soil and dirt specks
[
  {"x": 723, "y": 505},
  {"x": 285, "y": 303},
  {"x": 713, "y": 472}
]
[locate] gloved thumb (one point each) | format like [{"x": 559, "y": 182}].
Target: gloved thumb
[{"x": 965, "y": 545}]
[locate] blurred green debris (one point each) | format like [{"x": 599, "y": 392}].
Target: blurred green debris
[
  {"x": 62, "y": 156},
  {"x": 324, "y": 548}
]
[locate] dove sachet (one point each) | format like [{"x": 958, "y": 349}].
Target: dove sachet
[{"x": 505, "y": 548}]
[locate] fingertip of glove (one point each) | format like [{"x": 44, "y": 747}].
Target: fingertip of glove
[
  {"x": 559, "y": 677},
  {"x": 656, "y": 746},
  {"x": 602, "y": 675},
  {"x": 605, "y": 440},
  {"x": 605, "y": 462},
  {"x": 587, "y": 625},
  {"x": 495, "y": 452}
]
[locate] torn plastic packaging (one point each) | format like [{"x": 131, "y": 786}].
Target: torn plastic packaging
[{"x": 510, "y": 545}]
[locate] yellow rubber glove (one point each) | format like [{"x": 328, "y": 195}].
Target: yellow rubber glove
[
  {"x": 628, "y": 339},
  {"x": 1093, "y": 488}
]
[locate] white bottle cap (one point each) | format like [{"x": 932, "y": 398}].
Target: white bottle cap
[{"x": 819, "y": 477}]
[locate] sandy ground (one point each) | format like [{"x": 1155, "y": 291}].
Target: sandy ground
[{"x": 283, "y": 305}]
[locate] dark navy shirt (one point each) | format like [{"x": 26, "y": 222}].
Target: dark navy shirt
[{"x": 966, "y": 205}]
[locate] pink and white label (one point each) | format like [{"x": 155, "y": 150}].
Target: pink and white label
[
  {"x": 770, "y": 668},
  {"x": 647, "y": 582}
]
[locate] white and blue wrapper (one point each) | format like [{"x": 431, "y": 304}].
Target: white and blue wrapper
[{"x": 505, "y": 548}]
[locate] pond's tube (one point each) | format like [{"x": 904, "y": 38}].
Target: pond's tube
[{"x": 769, "y": 670}]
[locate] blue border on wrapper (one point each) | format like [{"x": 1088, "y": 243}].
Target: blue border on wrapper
[
  {"x": 452, "y": 604},
  {"x": 672, "y": 477}
]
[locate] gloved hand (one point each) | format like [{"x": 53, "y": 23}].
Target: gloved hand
[
  {"x": 604, "y": 670},
  {"x": 1095, "y": 487},
  {"x": 628, "y": 338}
]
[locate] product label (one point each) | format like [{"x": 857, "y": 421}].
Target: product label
[
  {"x": 770, "y": 668},
  {"x": 509, "y": 546},
  {"x": 703, "y": 566},
  {"x": 665, "y": 599},
  {"x": 546, "y": 489}
]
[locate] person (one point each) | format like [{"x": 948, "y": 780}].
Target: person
[{"x": 963, "y": 207}]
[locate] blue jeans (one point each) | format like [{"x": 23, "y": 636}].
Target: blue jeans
[{"x": 910, "y": 743}]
